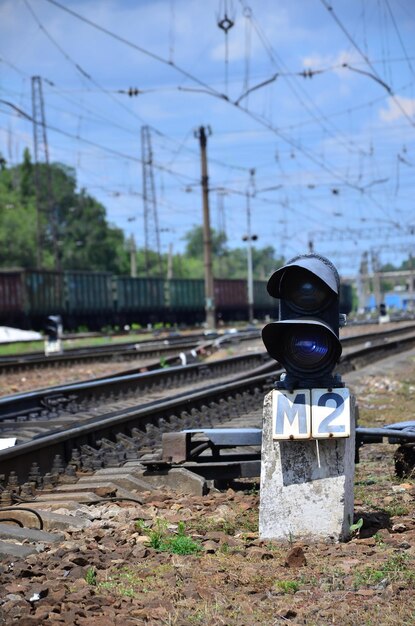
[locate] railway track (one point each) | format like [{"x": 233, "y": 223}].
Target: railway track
[
  {"x": 167, "y": 349},
  {"x": 32, "y": 414},
  {"x": 114, "y": 352},
  {"x": 110, "y": 457},
  {"x": 131, "y": 412}
]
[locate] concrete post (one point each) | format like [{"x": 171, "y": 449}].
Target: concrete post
[{"x": 306, "y": 492}]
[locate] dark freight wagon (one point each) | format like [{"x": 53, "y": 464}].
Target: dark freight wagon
[
  {"x": 231, "y": 298},
  {"x": 27, "y": 297},
  {"x": 96, "y": 299},
  {"x": 43, "y": 292},
  {"x": 185, "y": 299},
  {"x": 138, "y": 300},
  {"x": 264, "y": 304},
  {"x": 88, "y": 298},
  {"x": 11, "y": 297}
]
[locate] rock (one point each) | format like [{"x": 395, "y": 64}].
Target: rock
[
  {"x": 366, "y": 592},
  {"x": 261, "y": 552},
  {"x": 16, "y": 587},
  {"x": 210, "y": 547},
  {"x": 295, "y": 558},
  {"x": 80, "y": 560},
  {"x": 399, "y": 528},
  {"x": 384, "y": 535},
  {"x": 286, "y": 614},
  {"x": 347, "y": 565},
  {"x": 140, "y": 552},
  {"x": 368, "y": 541},
  {"x": 217, "y": 535}
]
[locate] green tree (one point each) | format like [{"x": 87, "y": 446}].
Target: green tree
[
  {"x": 85, "y": 239},
  {"x": 194, "y": 242},
  {"x": 227, "y": 263}
]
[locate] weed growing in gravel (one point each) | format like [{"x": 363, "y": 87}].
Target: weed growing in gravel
[
  {"x": 355, "y": 528},
  {"x": 160, "y": 539},
  {"x": 91, "y": 576},
  {"x": 396, "y": 568},
  {"x": 287, "y": 586},
  {"x": 124, "y": 583},
  {"x": 396, "y": 508}
]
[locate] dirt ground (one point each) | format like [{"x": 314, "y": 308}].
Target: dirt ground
[{"x": 184, "y": 560}]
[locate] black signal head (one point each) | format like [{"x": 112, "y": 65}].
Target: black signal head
[{"x": 305, "y": 340}]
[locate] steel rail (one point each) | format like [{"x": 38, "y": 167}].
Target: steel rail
[
  {"x": 122, "y": 351},
  {"x": 63, "y": 396},
  {"x": 44, "y": 449},
  {"x": 67, "y": 397},
  {"x": 152, "y": 347}
]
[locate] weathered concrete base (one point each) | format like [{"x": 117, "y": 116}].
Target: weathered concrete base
[{"x": 300, "y": 500}]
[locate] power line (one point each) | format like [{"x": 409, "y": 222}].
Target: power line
[
  {"x": 205, "y": 88},
  {"x": 84, "y": 73},
  {"x": 95, "y": 144},
  {"x": 399, "y": 37},
  {"x": 375, "y": 74},
  {"x": 144, "y": 51}
]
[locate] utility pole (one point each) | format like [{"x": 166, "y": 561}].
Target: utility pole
[
  {"x": 376, "y": 279},
  {"x": 151, "y": 225},
  {"x": 43, "y": 179},
  {"x": 249, "y": 238},
  {"x": 133, "y": 258},
  {"x": 207, "y": 238},
  {"x": 411, "y": 283},
  {"x": 362, "y": 281},
  {"x": 221, "y": 225},
  {"x": 170, "y": 262}
]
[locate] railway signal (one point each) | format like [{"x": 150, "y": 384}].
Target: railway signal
[
  {"x": 305, "y": 340},
  {"x": 307, "y": 459},
  {"x": 53, "y": 330}
]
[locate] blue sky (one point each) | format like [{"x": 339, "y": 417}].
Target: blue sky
[{"x": 333, "y": 153}]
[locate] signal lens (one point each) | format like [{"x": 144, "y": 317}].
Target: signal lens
[
  {"x": 304, "y": 292},
  {"x": 308, "y": 349}
]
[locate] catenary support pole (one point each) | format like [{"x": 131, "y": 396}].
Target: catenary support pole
[{"x": 207, "y": 237}]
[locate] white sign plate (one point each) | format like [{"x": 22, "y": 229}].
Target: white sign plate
[
  {"x": 7, "y": 442},
  {"x": 291, "y": 414},
  {"x": 330, "y": 413}
]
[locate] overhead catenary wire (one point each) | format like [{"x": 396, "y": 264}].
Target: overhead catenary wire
[
  {"x": 331, "y": 155},
  {"x": 204, "y": 87},
  {"x": 208, "y": 88},
  {"x": 375, "y": 73},
  {"x": 398, "y": 34},
  {"x": 83, "y": 72},
  {"x": 107, "y": 149}
]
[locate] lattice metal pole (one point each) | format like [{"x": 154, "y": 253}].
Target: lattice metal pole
[
  {"x": 151, "y": 225},
  {"x": 43, "y": 180}
]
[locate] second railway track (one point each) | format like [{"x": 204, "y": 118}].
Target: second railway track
[{"x": 91, "y": 434}]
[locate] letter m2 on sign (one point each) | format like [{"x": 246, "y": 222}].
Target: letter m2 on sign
[{"x": 291, "y": 414}]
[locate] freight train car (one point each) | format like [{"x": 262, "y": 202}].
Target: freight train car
[
  {"x": 264, "y": 304},
  {"x": 138, "y": 300},
  {"x": 43, "y": 292},
  {"x": 231, "y": 299},
  {"x": 185, "y": 300},
  {"x": 96, "y": 299},
  {"x": 88, "y": 299},
  {"x": 12, "y": 305}
]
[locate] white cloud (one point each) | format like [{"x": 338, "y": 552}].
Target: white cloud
[{"x": 397, "y": 107}]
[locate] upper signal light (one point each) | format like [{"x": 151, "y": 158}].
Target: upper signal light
[{"x": 305, "y": 340}]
